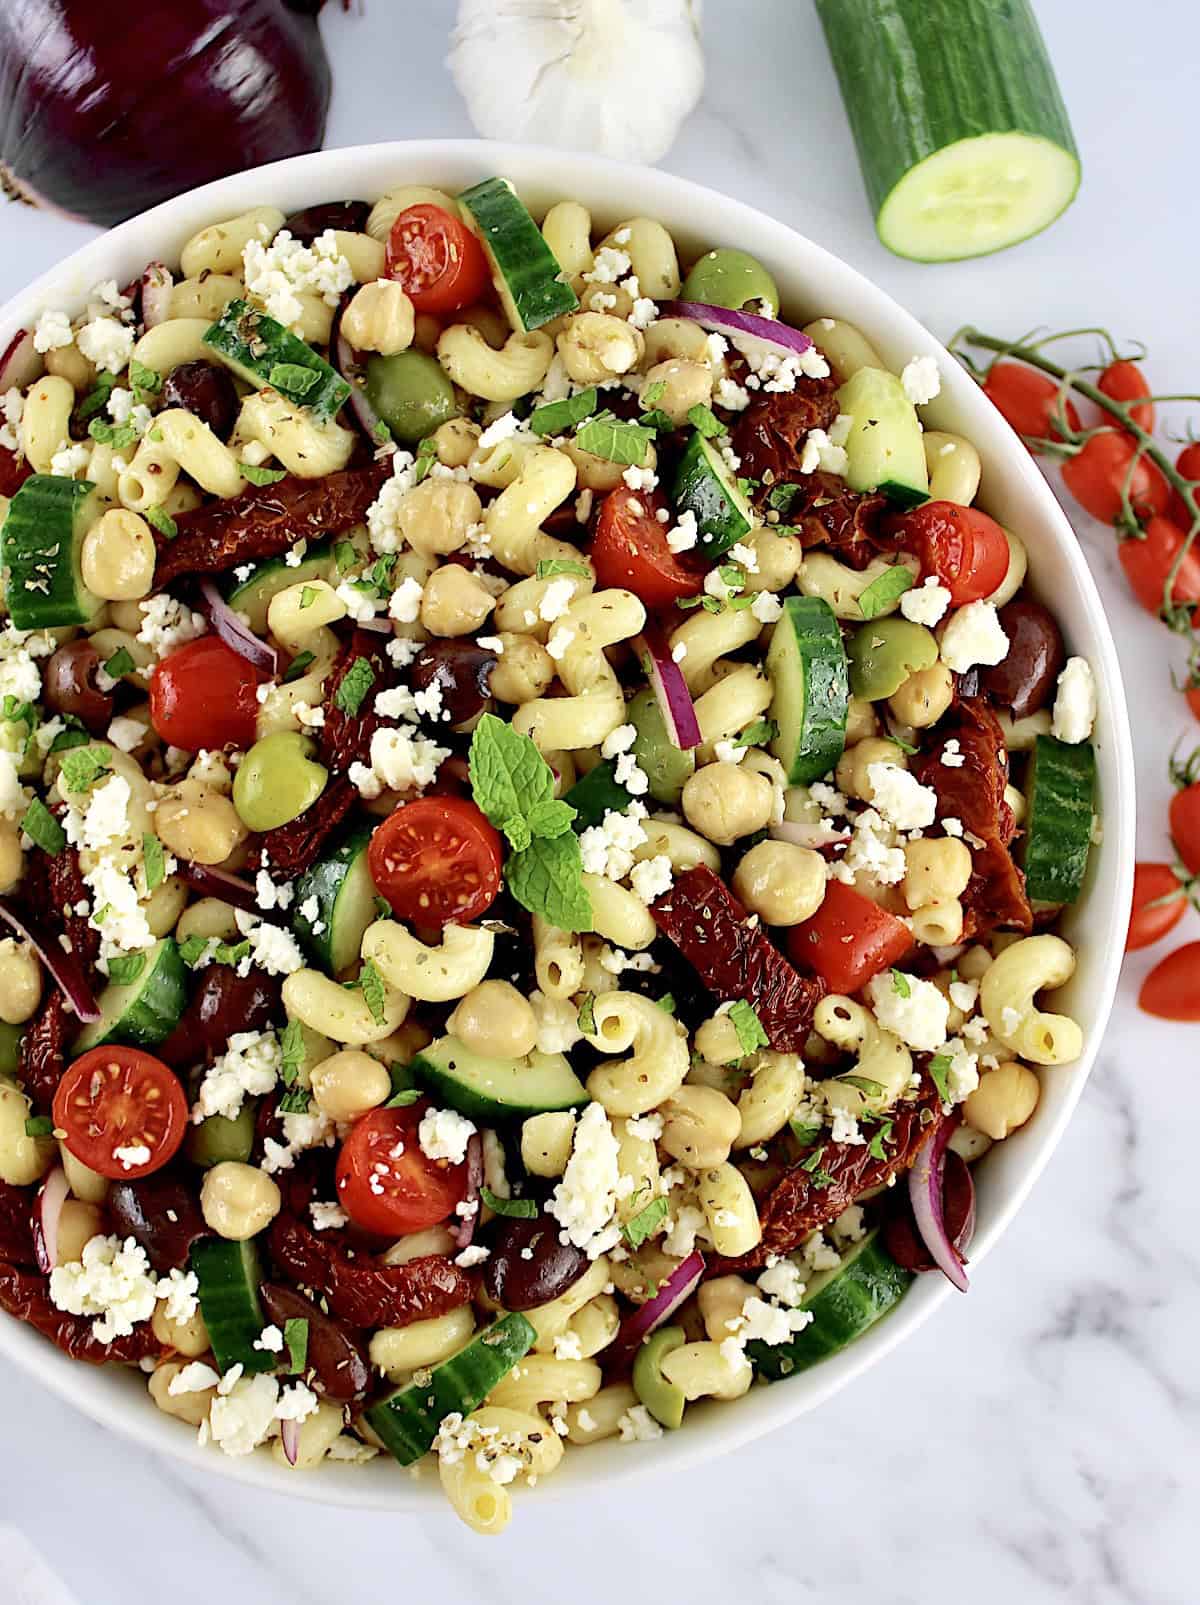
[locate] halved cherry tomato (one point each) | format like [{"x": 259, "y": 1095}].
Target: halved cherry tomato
[
  {"x": 1184, "y": 818},
  {"x": 436, "y": 860},
  {"x": 386, "y": 1184},
  {"x": 849, "y": 939},
  {"x": 1172, "y": 989},
  {"x": 965, "y": 549},
  {"x": 1159, "y": 903},
  {"x": 114, "y": 1102},
  {"x": 438, "y": 261},
  {"x": 1028, "y": 399},
  {"x": 1097, "y": 473},
  {"x": 204, "y": 696},
  {"x": 630, "y": 550},
  {"x": 1125, "y": 381},
  {"x": 1149, "y": 559}
]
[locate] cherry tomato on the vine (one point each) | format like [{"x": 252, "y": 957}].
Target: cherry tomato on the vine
[
  {"x": 1188, "y": 464},
  {"x": 1099, "y": 471},
  {"x": 1125, "y": 381},
  {"x": 204, "y": 696},
  {"x": 1159, "y": 903},
  {"x": 962, "y": 547},
  {"x": 1193, "y": 699},
  {"x": 436, "y": 860},
  {"x": 386, "y": 1183},
  {"x": 1148, "y": 560},
  {"x": 1172, "y": 989},
  {"x": 1184, "y": 820},
  {"x": 436, "y": 259},
  {"x": 123, "y": 1111},
  {"x": 630, "y": 550},
  {"x": 1028, "y": 399}
]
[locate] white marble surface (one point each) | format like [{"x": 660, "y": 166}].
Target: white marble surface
[{"x": 1038, "y": 1441}]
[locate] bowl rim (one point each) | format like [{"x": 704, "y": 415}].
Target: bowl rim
[{"x": 338, "y": 171}]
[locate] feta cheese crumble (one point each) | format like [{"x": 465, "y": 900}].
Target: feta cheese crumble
[
  {"x": 1075, "y": 704},
  {"x": 973, "y": 635},
  {"x": 444, "y": 1134},
  {"x": 920, "y": 380}
]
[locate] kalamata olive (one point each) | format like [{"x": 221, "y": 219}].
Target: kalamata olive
[
  {"x": 334, "y": 1355},
  {"x": 162, "y": 1213},
  {"x": 70, "y": 685},
  {"x": 463, "y": 671},
  {"x": 313, "y": 220},
  {"x": 900, "y": 1235},
  {"x": 207, "y": 391},
  {"x": 1024, "y": 681},
  {"x": 522, "y": 1283},
  {"x": 224, "y": 1002}
]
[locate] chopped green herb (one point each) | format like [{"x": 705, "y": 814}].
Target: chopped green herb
[
  {"x": 120, "y": 663},
  {"x": 586, "y": 1019},
  {"x": 654, "y": 393},
  {"x": 905, "y": 746},
  {"x": 514, "y": 1208},
  {"x": 383, "y": 909},
  {"x": 781, "y": 497},
  {"x": 380, "y": 433},
  {"x": 261, "y": 476},
  {"x": 38, "y": 1126},
  {"x": 295, "y": 1101},
  {"x": 196, "y": 951},
  {"x": 40, "y": 825},
  {"x": 295, "y": 1335},
  {"x": 293, "y": 378},
  {"x": 550, "y": 566},
  {"x": 345, "y": 556},
  {"x": 402, "y": 1098},
  {"x": 758, "y": 734},
  {"x": 660, "y": 422},
  {"x": 900, "y": 984},
  {"x": 645, "y": 1223},
  {"x": 97, "y": 398},
  {"x": 83, "y": 766},
  {"x": 158, "y": 518},
  {"x": 355, "y": 683},
  {"x": 732, "y": 577},
  {"x": 666, "y": 1003},
  {"x": 556, "y": 417},
  {"x": 875, "y": 1147},
  {"x": 116, "y": 435},
  {"x": 939, "y": 1069},
  {"x": 73, "y": 736},
  {"x": 291, "y": 1046},
  {"x": 617, "y": 442},
  {"x": 813, "y": 1162},
  {"x": 872, "y": 1089},
  {"x": 154, "y": 860},
  {"x": 805, "y": 1133},
  {"x": 145, "y": 381},
  {"x": 705, "y": 420},
  {"x": 374, "y": 991},
  {"x": 885, "y": 590},
  {"x": 125, "y": 970},
  {"x": 426, "y": 457},
  {"x": 308, "y": 595},
  {"x": 748, "y": 1026},
  {"x": 297, "y": 666}
]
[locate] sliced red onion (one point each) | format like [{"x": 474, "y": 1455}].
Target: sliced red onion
[
  {"x": 636, "y": 1328},
  {"x": 380, "y": 626},
  {"x": 289, "y": 1437},
  {"x": 768, "y": 333},
  {"x": 52, "y": 1195},
  {"x": 345, "y": 360},
  {"x": 925, "y": 1179},
  {"x": 670, "y": 689},
  {"x": 210, "y": 882},
  {"x": 236, "y": 635},
  {"x": 806, "y": 834},
  {"x": 21, "y": 364},
  {"x": 464, "y": 1228},
  {"x": 157, "y": 281},
  {"x": 63, "y": 966}
]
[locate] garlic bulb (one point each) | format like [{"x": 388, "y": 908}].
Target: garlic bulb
[{"x": 616, "y": 77}]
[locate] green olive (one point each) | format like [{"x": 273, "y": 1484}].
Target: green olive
[
  {"x": 411, "y": 394},
  {"x": 10, "y": 1048},
  {"x": 277, "y": 780},
  {"x": 218, "y": 1138},
  {"x": 664, "y": 1400},
  {"x": 729, "y": 278},
  {"x": 884, "y": 652}
]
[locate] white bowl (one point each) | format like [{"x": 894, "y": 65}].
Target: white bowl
[{"x": 812, "y": 283}]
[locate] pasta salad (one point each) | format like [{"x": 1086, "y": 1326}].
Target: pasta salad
[{"x": 533, "y": 809}]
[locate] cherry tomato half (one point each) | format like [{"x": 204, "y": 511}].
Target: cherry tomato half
[
  {"x": 386, "y": 1184},
  {"x": 436, "y": 860},
  {"x": 849, "y": 939},
  {"x": 965, "y": 549},
  {"x": 1172, "y": 989},
  {"x": 1028, "y": 399},
  {"x": 116, "y": 1101},
  {"x": 1184, "y": 818},
  {"x": 1159, "y": 903},
  {"x": 438, "y": 261},
  {"x": 1148, "y": 560},
  {"x": 630, "y": 550},
  {"x": 1125, "y": 381},
  {"x": 1097, "y": 473},
  {"x": 204, "y": 696}
]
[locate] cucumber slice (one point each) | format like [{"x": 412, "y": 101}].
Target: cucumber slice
[
  {"x": 39, "y": 546},
  {"x": 885, "y": 449},
  {"x": 664, "y": 1400},
  {"x": 253, "y": 596},
  {"x": 261, "y": 351},
  {"x": 229, "y": 1275},
  {"x": 704, "y": 486},
  {"x": 345, "y": 894},
  {"x": 806, "y": 664},
  {"x": 490, "y": 1089},
  {"x": 962, "y": 135},
  {"x": 142, "y": 1012},
  {"x": 407, "y": 1420},
  {"x": 218, "y": 1139},
  {"x": 667, "y": 767},
  {"x": 1060, "y": 787},
  {"x": 526, "y": 273},
  {"x": 597, "y": 793},
  {"x": 844, "y": 1302}
]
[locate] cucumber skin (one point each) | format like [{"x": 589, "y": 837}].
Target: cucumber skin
[
  {"x": 227, "y": 340},
  {"x": 491, "y": 207},
  {"x": 821, "y": 739},
  {"x": 1059, "y": 827},
  {"x": 919, "y": 75},
  {"x": 854, "y": 1298},
  {"x": 326, "y": 881},
  {"x": 698, "y": 489},
  {"x": 150, "y": 1021},
  {"x": 222, "y": 1270},
  {"x": 475, "y": 1104},
  {"x": 29, "y": 546}
]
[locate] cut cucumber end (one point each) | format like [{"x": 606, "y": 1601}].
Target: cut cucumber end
[{"x": 977, "y": 196}]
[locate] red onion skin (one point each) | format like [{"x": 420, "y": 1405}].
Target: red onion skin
[
  {"x": 63, "y": 966},
  {"x": 464, "y": 1231},
  {"x": 52, "y": 1194},
  {"x": 648, "y": 1317},
  {"x": 925, "y": 1183},
  {"x": 234, "y": 633},
  {"x": 106, "y": 111},
  {"x": 289, "y": 1437},
  {"x": 741, "y": 325}
]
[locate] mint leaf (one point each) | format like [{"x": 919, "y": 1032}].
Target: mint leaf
[
  {"x": 116, "y": 435},
  {"x": 291, "y": 1046},
  {"x": 547, "y": 879},
  {"x": 875, "y": 1147},
  {"x": 354, "y": 685},
  {"x": 556, "y": 417},
  {"x": 781, "y": 497},
  {"x": 666, "y": 1003},
  {"x": 748, "y": 1026},
  {"x": 373, "y": 991},
  {"x": 606, "y": 436},
  {"x": 939, "y": 1069},
  {"x": 900, "y": 984},
  {"x": 705, "y": 421},
  {"x": 345, "y": 556},
  {"x": 805, "y": 1134},
  {"x": 426, "y": 457},
  {"x": 509, "y": 776},
  {"x": 881, "y": 593},
  {"x": 654, "y": 393},
  {"x": 308, "y": 595},
  {"x": 158, "y": 518},
  {"x": 297, "y": 666},
  {"x": 125, "y": 970},
  {"x": 550, "y": 819},
  {"x": 261, "y": 476},
  {"x": 293, "y": 378},
  {"x": 645, "y": 1223},
  {"x": 514, "y": 1208},
  {"x": 154, "y": 860},
  {"x": 295, "y": 1335},
  {"x": 83, "y": 766},
  {"x": 120, "y": 663},
  {"x": 402, "y": 1098},
  {"x": 39, "y": 1126},
  {"x": 586, "y": 1019},
  {"x": 657, "y": 421},
  {"x": 758, "y": 734},
  {"x": 144, "y": 380},
  {"x": 872, "y": 1089},
  {"x": 40, "y": 825},
  {"x": 518, "y": 831},
  {"x": 295, "y": 1101},
  {"x": 97, "y": 398},
  {"x": 550, "y": 566},
  {"x": 74, "y": 736}
]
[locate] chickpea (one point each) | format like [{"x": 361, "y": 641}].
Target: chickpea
[
  {"x": 190, "y": 1407},
  {"x": 455, "y": 602},
  {"x": 435, "y": 516},
  {"x": 208, "y": 917},
  {"x": 78, "y": 1223},
  {"x": 348, "y": 1084},
  {"x": 12, "y": 859},
  {"x": 598, "y": 473},
  {"x": 595, "y": 346},
  {"x": 924, "y": 697},
  {"x": 165, "y": 904},
  {"x": 23, "y": 1159},
  {"x": 402, "y": 1047},
  {"x": 117, "y": 556},
  {"x": 783, "y": 883},
  {"x": 313, "y": 1438},
  {"x": 853, "y": 766},
  {"x": 456, "y": 441},
  {"x": 238, "y": 1201},
  {"x": 723, "y": 802},
  {"x": 197, "y": 823},
  {"x": 717, "y": 1040},
  {"x": 546, "y": 1142},
  {"x": 936, "y": 869},
  {"x": 701, "y": 1126},
  {"x": 861, "y": 721},
  {"x": 686, "y": 384},
  {"x": 1004, "y": 1099},
  {"x": 20, "y": 981},
  {"x": 496, "y": 1021},
  {"x": 779, "y": 557},
  {"x": 189, "y": 1338},
  {"x": 523, "y": 671},
  {"x": 380, "y": 318}
]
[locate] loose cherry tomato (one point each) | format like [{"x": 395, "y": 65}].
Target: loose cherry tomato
[
  {"x": 1028, "y": 399},
  {"x": 436, "y": 860},
  {"x": 1172, "y": 989},
  {"x": 630, "y": 550},
  {"x": 1125, "y": 381},
  {"x": 118, "y": 1101},
  {"x": 204, "y": 696},
  {"x": 1096, "y": 475},
  {"x": 438, "y": 261},
  {"x": 849, "y": 939},
  {"x": 1149, "y": 559},
  {"x": 965, "y": 549},
  {"x": 1184, "y": 817},
  {"x": 1159, "y": 903},
  {"x": 386, "y": 1184}
]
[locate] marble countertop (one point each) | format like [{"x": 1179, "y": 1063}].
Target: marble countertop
[{"x": 1037, "y": 1441}]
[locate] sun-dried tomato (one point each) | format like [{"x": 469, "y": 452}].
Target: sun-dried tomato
[
  {"x": 26, "y": 1296},
  {"x": 735, "y": 958},
  {"x": 265, "y": 521},
  {"x": 42, "y": 1057},
  {"x": 16, "y": 1226},
  {"x": 14, "y": 471},
  {"x": 292, "y": 848},
  {"x": 68, "y": 889},
  {"x": 769, "y": 436},
  {"x": 973, "y": 792},
  {"x": 848, "y": 523},
  {"x": 346, "y": 737},
  {"x": 363, "y": 1292}
]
